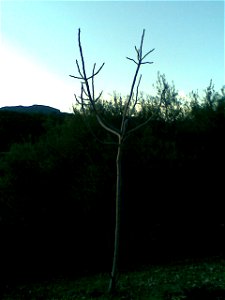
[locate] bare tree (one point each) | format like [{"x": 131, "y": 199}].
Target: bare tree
[{"x": 87, "y": 99}]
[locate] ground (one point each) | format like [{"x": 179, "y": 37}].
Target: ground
[{"x": 186, "y": 279}]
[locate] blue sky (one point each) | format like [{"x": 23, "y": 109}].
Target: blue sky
[{"x": 39, "y": 47}]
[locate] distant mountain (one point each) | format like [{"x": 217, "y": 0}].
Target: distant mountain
[{"x": 43, "y": 109}]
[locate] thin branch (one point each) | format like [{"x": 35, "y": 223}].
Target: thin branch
[
  {"x": 99, "y": 96},
  {"x": 147, "y": 62},
  {"x": 107, "y": 127},
  {"x": 96, "y": 72},
  {"x": 132, "y": 60},
  {"x": 76, "y": 77},
  {"x": 148, "y": 53},
  {"x": 92, "y": 132},
  {"x": 78, "y": 68},
  {"x": 137, "y": 52},
  {"x": 92, "y": 81},
  {"x": 136, "y": 98},
  {"x": 138, "y": 126},
  {"x": 145, "y": 122},
  {"x": 130, "y": 97}
]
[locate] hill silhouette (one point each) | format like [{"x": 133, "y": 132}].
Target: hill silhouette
[{"x": 32, "y": 109}]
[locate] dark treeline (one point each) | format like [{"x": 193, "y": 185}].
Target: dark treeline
[{"x": 57, "y": 186}]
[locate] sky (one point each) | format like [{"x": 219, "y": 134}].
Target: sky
[{"x": 38, "y": 47}]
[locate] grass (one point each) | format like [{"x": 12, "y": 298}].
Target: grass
[{"x": 188, "y": 279}]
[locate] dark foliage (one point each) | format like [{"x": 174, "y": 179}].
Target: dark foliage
[
  {"x": 205, "y": 292},
  {"x": 57, "y": 188},
  {"x": 19, "y": 127}
]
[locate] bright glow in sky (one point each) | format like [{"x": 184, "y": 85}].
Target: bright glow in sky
[
  {"x": 27, "y": 82},
  {"x": 39, "y": 47}
]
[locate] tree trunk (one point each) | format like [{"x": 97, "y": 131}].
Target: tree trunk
[{"x": 114, "y": 273}]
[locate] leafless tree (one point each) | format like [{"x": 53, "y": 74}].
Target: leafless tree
[{"x": 87, "y": 99}]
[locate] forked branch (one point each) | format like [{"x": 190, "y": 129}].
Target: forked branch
[
  {"x": 139, "y": 62},
  {"x": 88, "y": 91}
]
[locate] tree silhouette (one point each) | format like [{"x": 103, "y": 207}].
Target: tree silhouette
[{"x": 88, "y": 100}]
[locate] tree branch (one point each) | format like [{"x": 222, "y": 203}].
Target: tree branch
[
  {"x": 144, "y": 123},
  {"x": 90, "y": 96},
  {"x": 139, "y": 63}
]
